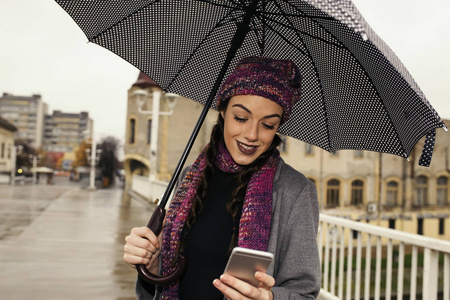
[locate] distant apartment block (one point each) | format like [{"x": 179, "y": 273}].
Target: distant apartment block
[
  {"x": 27, "y": 113},
  {"x": 65, "y": 131}
]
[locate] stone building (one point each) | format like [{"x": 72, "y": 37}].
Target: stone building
[
  {"x": 176, "y": 120},
  {"x": 27, "y": 113},
  {"x": 7, "y": 160},
  {"x": 382, "y": 189}
]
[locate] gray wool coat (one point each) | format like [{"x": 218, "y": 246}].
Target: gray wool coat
[{"x": 296, "y": 266}]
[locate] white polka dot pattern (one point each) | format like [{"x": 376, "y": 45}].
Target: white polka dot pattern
[{"x": 356, "y": 92}]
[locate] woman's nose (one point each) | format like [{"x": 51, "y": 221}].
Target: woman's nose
[{"x": 251, "y": 132}]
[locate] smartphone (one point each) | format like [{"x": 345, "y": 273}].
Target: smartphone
[{"x": 243, "y": 263}]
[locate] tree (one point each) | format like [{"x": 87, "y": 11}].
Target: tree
[
  {"x": 23, "y": 156},
  {"x": 80, "y": 155},
  {"x": 108, "y": 162}
]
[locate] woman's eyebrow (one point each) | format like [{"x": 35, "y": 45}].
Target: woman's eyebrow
[
  {"x": 243, "y": 107},
  {"x": 247, "y": 110}
]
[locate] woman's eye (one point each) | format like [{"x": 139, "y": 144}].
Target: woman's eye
[
  {"x": 241, "y": 120},
  {"x": 268, "y": 126}
]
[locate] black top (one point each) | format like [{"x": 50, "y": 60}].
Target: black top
[{"x": 208, "y": 241}]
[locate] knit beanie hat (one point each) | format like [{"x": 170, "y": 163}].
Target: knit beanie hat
[{"x": 277, "y": 80}]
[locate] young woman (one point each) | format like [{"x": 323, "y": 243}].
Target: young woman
[{"x": 239, "y": 192}]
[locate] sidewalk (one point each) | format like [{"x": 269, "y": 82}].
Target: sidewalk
[{"x": 73, "y": 249}]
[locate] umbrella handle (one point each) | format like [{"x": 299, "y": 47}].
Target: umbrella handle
[{"x": 155, "y": 224}]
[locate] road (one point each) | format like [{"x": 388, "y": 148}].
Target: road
[{"x": 64, "y": 241}]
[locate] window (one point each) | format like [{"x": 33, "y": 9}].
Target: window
[
  {"x": 357, "y": 192},
  {"x": 441, "y": 226},
  {"x": 149, "y": 131},
  {"x": 358, "y": 154},
  {"x": 420, "y": 226},
  {"x": 132, "y": 131},
  {"x": 442, "y": 191},
  {"x": 392, "y": 193},
  {"x": 309, "y": 149},
  {"x": 392, "y": 223},
  {"x": 3, "y": 150},
  {"x": 421, "y": 191},
  {"x": 283, "y": 145},
  {"x": 333, "y": 193}
]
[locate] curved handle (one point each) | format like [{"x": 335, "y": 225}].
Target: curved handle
[{"x": 155, "y": 224}]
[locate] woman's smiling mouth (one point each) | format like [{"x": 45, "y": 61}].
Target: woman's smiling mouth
[{"x": 246, "y": 149}]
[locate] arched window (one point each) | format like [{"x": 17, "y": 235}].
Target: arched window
[
  {"x": 421, "y": 198},
  {"x": 333, "y": 193},
  {"x": 132, "y": 129},
  {"x": 442, "y": 190},
  {"x": 358, "y": 154},
  {"x": 284, "y": 143},
  {"x": 357, "y": 192},
  {"x": 392, "y": 193},
  {"x": 309, "y": 149}
]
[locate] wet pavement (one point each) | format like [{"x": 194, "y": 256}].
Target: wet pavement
[{"x": 64, "y": 241}]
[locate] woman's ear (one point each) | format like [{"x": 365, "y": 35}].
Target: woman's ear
[{"x": 222, "y": 113}]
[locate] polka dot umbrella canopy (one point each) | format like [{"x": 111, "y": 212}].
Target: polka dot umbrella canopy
[{"x": 356, "y": 94}]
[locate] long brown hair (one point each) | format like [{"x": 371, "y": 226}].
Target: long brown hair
[{"x": 242, "y": 179}]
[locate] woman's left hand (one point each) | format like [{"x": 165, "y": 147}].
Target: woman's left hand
[{"x": 234, "y": 289}]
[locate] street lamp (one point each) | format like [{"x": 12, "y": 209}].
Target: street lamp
[
  {"x": 141, "y": 97},
  {"x": 13, "y": 150},
  {"x": 34, "y": 159},
  {"x": 93, "y": 159}
]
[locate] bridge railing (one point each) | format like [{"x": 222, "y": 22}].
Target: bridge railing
[{"x": 363, "y": 261}]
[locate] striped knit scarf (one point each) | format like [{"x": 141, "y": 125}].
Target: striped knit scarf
[{"x": 254, "y": 226}]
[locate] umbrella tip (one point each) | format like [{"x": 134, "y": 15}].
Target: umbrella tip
[
  {"x": 364, "y": 36},
  {"x": 445, "y": 128}
]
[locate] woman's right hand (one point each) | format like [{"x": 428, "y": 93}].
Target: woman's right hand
[{"x": 142, "y": 247}]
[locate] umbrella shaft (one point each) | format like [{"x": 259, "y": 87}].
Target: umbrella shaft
[{"x": 238, "y": 38}]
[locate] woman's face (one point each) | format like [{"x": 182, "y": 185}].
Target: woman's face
[{"x": 250, "y": 126}]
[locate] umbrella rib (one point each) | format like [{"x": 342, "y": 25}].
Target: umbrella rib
[
  {"x": 292, "y": 27},
  {"x": 219, "y": 24},
  {"x": 91, "y": 39},
  {"x": 220, "y": 4},
  {"x": 318, "y": 78},
  {"x": 343, "y": 46}
]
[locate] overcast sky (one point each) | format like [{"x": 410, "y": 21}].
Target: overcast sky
[{"x": 43, "y": 51}]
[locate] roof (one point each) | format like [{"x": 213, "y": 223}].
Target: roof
[
  {"x": 144, "y": 81},
  {"x": 7, "y": 125}
]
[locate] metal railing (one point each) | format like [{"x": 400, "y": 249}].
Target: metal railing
[{"x": 362, "y": 261}]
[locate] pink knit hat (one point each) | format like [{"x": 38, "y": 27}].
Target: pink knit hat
[{"x": 277, "y": 80}]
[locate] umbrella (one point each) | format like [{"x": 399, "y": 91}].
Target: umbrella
[{"x": 356, "y": 92}]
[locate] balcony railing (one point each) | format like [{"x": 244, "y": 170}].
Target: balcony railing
[{"x": 362, "y": 261}]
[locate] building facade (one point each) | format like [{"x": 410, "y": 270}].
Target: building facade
[
  {"x": 381, "y": 189},
  {"x": 7, "y": 160},
  {"x": 174, "y": 127},
  {"x": 27, "y": 113},
  {"x": 63, "y": 131}
]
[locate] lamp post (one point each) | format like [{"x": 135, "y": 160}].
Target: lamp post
[
  {"x": 34, "y": 159},
  {"x": 13, "y": 164},
  {"x": 141, "y": 97},
  {"x": 93, "y": 161}
]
